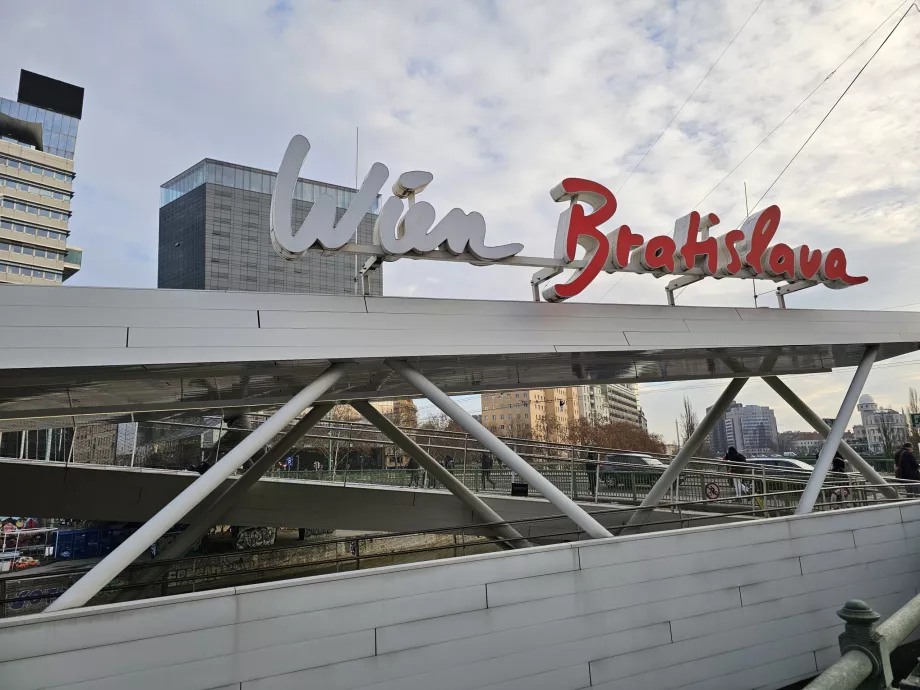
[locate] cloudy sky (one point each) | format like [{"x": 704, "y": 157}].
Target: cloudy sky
[{"x": 501, "y": 100}]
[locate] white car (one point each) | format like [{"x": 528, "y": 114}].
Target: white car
[{"x": 782, "y": 464}]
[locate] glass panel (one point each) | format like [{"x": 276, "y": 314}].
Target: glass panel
[
  {"x": 227, "y": 176},
  {"x": 247, "y": 179},
  {"x": 238, "y": 178}
]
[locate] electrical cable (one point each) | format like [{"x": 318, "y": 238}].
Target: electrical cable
[
  {"x": 615, "y": 283},
  {"x": 692, "y": 93},
  {"x": 801, "y": 103},
  {"x": 828, "y": 114}
]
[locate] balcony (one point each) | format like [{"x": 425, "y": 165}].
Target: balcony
[{"x": 73, "y": 260}]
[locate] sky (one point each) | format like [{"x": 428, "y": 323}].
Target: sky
[{"x": 501, "y": 100}]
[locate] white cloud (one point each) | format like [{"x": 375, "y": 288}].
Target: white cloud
[{"x": 501, "y": 100}]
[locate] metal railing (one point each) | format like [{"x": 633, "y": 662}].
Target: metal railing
[
  {"x": 349, "y": 453},
  {"x": 866, "y": 647}
]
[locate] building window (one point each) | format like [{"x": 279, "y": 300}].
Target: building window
[
  {"x": 35, "y": 169},
  {"x": 32, "y": 189},
  {"x": 16, "y": 205}
]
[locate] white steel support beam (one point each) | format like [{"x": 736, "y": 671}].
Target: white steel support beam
[
  {"x": 685, "y": 455},
  {"x": 511, "y": 459},
  {"x": 818, "y": 424},
  {"x": 210, "y": 511},
  {"x": 109, "y": 567},
  {"x": 510, "y": 536},
  {"x": 823, "y": 464}
]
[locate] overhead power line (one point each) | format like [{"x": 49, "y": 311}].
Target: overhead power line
[
  {"x": 692, "y": 93},
  {"x": 801, "y": 103},
  {"x": 828, "y": 114}
]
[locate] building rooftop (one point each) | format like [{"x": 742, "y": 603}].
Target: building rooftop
[{"x": 251, "y": 179}]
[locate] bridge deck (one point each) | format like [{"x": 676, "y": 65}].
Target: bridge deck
[{"x": 98, "y": 350}]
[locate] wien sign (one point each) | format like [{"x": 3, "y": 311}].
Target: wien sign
[{"x": 689, "y": 252}]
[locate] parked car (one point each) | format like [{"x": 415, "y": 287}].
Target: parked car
[
  {"x": 625, "y": 466},
  {"x": 786, "y": 465}
]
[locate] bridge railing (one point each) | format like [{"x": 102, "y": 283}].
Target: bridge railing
[{"x": 865, "y": 649}]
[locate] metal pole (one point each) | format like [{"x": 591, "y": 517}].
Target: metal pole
[
  {"x": 439, "y": 472},
  {"x": 134, "y": 445},
  {"x": 823, "y": 464},
  {"x": 109, "y": 567},
  {"x": 546, "y": 488},
  {"x": 816, "y": 423},
  {"x": 685, "y": 455}
]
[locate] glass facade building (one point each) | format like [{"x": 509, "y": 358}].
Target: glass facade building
[
  {"x": 38, "y": 137},
  {"x": 59, "y": 131},
  {"x": 214, "y": 234}
]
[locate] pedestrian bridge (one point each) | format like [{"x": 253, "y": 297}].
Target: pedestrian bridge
[
  {"x": 746, "y": 605},
  {"x": 132, "y": 494},
  {"x": 709, "y": 608}
]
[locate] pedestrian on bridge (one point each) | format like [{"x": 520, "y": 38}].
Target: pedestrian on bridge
[
  {"x": 412, "y": 465},
  {"x": 485, "y": 470},
  {"x": 910, "y": 470},
  {"x": 737, "y": 469}
]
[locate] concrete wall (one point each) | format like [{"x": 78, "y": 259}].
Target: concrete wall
[{"x": 715, "y": 608}]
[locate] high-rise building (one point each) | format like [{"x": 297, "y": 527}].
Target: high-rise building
[
  {"x": 38, "y": 136},
  {"x": 610, "y": 403},
  {"x": 749, "y": 428},
  {"x": 214, "y": 234}
]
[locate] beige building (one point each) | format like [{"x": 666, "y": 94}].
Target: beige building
[
  {"x": 38, "y": 135},
  {"x": 546, "y": 412},
  {"x": 543, "y": 413},
  {"x": 402, "y": 412}
]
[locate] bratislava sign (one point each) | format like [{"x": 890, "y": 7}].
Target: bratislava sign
[{"x": 745, "y": 252}]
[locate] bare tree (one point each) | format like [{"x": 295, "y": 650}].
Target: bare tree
[
  {"x": 913, "y": 407},
  {"x": 340, "y": 444},
  {"x": 688, "y": 421},
  {"x": 889, "y": 433},
  {"x": 615, "y": 435}
]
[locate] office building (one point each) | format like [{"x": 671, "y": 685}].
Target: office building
[
  {"x": 749, "y": 428},
  {"x": 882, "y": 429},
  {"x": 214, "y": 234},
  {"x": 38, "y": 137}
]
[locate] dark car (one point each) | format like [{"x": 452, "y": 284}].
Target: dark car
[{"x": 624, "y": 468}]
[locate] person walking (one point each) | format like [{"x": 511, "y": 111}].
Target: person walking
[
  {"x": 910, "y": 470},
  {"x": 413, "y": 468},
  {"x": 485, "y": 470},
  {"x": 736, "y": 469},
  {"x": 591, "y": 470},
  {"x": 839, "y": 469},
  {"x": 897, "y": 460}
]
